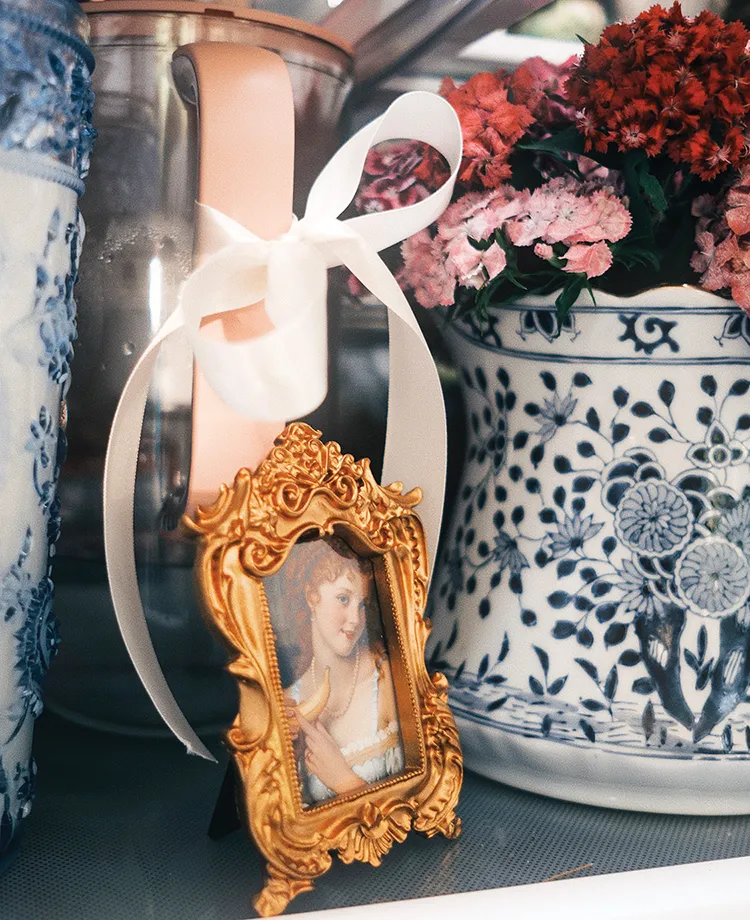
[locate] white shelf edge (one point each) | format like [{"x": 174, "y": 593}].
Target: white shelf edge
[{"x": 694, "y": 891}]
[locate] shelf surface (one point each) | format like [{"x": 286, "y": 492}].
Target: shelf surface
[{"x": 118, "y": 831}]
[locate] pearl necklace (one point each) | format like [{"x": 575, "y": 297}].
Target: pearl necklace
[{"x": 337, "y": 713}]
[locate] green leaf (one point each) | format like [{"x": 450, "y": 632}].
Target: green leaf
[
  {"x": 652, "y": 189},
  {"x": 675, "y": 256},
  {"x": 502, "y": 242},
  {"x": 568, "y": 296},
  {"x": 631, "y": 254},
  {"x": 567, "y": 141},
  {"x": 482, "y": 245},
  {"x": 514, "y": 281},
  {"x": 642, "y": 229}
]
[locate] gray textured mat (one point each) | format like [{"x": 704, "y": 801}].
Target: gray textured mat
[{"x": 118, "y": 832}]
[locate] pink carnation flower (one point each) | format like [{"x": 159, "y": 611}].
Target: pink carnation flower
[
  {"x": 591, "y": 260},
  {"x": 476, "y": 216},
  {"x": 716, "y": 275},
  {"x": 722, "y": 240},
  {"x": 425, "y": 271},
  {"x": 582, "y": 216},
  {"x": 473, "y": 267},
  {"x": 542, "y": 208},
  {"x": 573, "y": 216},
  {"x": 506, "y": 203},
  {"x": 738, "y": 212},
  {"x": 465, "y": 262},
  {"x": 703, "y": 255},
  {"x": 469, "y": 216},
  {"x": 606, "y": 218},
  {"x": 564, "y": 211}
]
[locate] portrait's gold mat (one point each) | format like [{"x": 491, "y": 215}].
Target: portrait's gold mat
[{"x": 306, "y": 487}]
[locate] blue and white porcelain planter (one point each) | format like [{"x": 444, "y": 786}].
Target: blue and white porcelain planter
[
  {"x": 591, "y": 604},
  {"x": 45, "y": 136}
]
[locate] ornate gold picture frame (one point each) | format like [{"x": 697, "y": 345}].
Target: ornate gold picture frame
[{"x": 316, "y": 576}]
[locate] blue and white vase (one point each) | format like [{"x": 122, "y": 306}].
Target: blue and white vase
[
  {"x": 45, "y": 138},
  {"x": 591, "y": 604}
]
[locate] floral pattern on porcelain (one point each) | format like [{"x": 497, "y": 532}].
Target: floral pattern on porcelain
[
  {"x": 46, "y": 101},
  {"x": 38, "y": 351},
  {"x": 17, "y": 807},
  {"x": 594, "y": 587},
  {"x": 46, "y": 136}
]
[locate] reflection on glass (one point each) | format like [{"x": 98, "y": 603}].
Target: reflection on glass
[{"x": 335, "y": 670}]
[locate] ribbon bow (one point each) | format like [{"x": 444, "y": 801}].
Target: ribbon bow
[{"x": 283, "y": 374}]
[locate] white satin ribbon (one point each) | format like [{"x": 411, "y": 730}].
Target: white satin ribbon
[{"x": 283, "y": 374}]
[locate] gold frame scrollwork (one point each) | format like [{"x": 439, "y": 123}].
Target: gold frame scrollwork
[{"x": 307, "y": 486}]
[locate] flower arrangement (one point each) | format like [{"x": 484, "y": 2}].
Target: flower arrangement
[{"x": 633, "y": 156}]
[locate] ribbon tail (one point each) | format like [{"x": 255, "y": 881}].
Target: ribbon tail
[
  {"x": 416, "y": 442},
  {"x": 119, "y": 492}
]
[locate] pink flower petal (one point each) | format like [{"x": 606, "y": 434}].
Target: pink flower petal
[
  {"x": 741, "y": 290},
  {"x": 425, "y": 271},
  {"x": 738, "y": 219},
  {"x": 494, "y": 260},
  {"x": 591, "y": 260},
  {"x": 464, "y": 257}
]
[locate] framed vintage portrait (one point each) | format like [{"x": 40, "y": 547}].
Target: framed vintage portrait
[{"x": 316, "y": 576}]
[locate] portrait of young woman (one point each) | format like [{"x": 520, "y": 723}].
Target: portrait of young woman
[{"x": 335, "y": 670}]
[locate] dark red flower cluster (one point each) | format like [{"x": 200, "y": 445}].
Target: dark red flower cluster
[
  {"x": 667, "y": 83},
  {"x": 490, "y": 123}
]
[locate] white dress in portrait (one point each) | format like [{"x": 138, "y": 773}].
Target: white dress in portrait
[{"x": 376, "y": 754}]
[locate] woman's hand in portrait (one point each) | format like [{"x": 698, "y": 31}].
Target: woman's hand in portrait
[{"x": 323, "y": 757}]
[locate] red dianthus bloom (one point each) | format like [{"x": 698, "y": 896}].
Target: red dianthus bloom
[
  {"x": 666, "y": 82},
  {"x": 490, "y": 124}
]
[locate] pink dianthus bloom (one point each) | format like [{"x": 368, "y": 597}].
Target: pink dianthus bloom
[
  {"x": 473, "y": 267},
  {"x": 738, "y": 211},
  {"x": 542, "y": 208},
  {"x": 425, "y": 271},
  {"x": 722, "y": 240},
  {"x": 563, "y": 210},
  {"x": 592, "y": 260},
  {"x": 573, "y": 216},
  {"x": 464, "y": 262},
  {"x": 606, "y": 218},
  {"x": 476, "y": 216},
  {"x": 507, "y": 202},
  {"x": 469, "y": 216}
]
